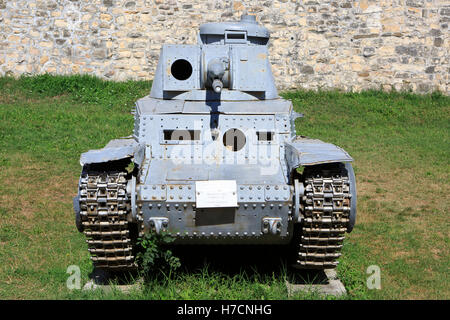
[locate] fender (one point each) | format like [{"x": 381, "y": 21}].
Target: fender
[
  {"x": 308, "y": 152},
  {"x": 115, "y": 150}
]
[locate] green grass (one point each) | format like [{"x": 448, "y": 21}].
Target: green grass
[{"x": 400, "y": 143}]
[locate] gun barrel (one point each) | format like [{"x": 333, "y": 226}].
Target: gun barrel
[
  {"x": 217, "y": 85},
  {"x": 216, "y": 70}
]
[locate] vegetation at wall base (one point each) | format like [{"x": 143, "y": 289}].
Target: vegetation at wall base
[{"x": 400, "y": 143}]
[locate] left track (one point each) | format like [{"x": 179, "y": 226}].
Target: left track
[{"x": 104, "y": 208}]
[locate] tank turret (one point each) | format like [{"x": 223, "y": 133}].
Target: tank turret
[{"x": 230, "y": 58}]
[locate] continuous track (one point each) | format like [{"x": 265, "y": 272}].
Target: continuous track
[
  {"x": 326, "y": 209},
  {"x": 104, "y": 208}
]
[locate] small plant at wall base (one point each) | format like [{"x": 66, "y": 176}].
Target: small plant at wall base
[{"x": 154, "y": 256}]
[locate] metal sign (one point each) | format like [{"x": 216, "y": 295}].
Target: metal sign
[{"x": 216, "y": 193}]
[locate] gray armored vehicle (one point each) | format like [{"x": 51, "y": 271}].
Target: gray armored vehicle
[{"x": 214, "y": 159}]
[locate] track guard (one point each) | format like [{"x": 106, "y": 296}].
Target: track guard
[
  {"x": 308, "y": 152},
  {"x": 117, "y": 149}
]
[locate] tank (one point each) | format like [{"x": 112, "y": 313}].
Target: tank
[{"x": 214, "y": 159}]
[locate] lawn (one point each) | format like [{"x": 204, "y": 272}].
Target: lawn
[{"x": 400, "y": 143}]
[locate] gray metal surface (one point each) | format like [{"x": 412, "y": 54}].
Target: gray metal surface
[
  {"x": 148, "y": 106},
  {"x": 232, "y": 55},
  {"x": 307, "y": 152},
  {"x": 115, "y": 150},
  {"x": 247, "y": 25}
]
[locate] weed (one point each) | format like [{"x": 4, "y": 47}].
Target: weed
[{"x": 154, "y": 256}]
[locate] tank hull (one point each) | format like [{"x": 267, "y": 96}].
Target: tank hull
[{"x": 214, "y": 159}]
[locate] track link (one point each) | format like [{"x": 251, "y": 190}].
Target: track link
[
  {"x": 104, "y": 207},
  {"x": 326, "y": 209}
]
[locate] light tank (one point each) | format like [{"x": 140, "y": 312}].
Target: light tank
[{"x": 214, "y": 159}]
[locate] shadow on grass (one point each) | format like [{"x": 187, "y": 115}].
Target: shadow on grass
[{"x": 253, "y": 262}]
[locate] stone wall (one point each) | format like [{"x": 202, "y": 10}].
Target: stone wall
[{"x": 351, "y": 45}]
